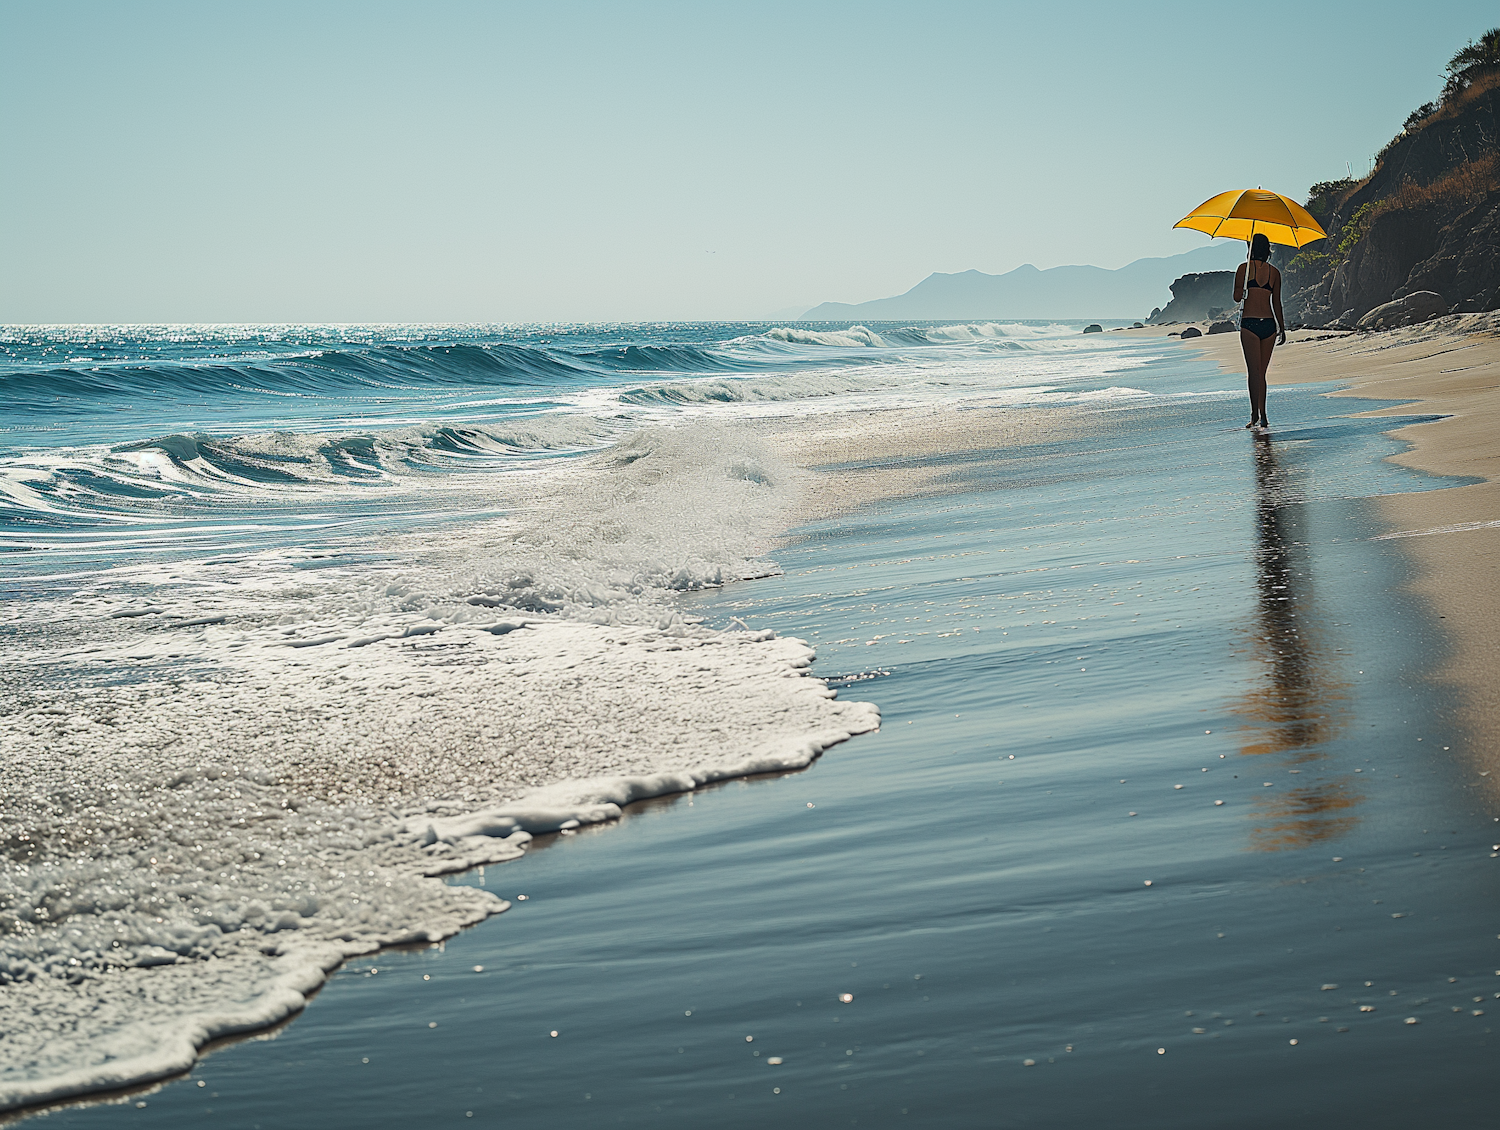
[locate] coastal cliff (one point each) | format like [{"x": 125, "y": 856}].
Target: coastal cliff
[{"x": 1427, "y": 219}]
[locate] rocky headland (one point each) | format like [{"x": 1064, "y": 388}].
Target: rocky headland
[
  {"x": 1205, "y": 295},
  {"x": 1424, "y": 226}
]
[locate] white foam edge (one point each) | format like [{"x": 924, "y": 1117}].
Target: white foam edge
[
  {"x": 308, "y": 969},
  {"x": 488, "y": 836},
  {"x": 573, "y": 803}
]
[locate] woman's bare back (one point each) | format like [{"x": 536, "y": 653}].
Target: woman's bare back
[{"x": 1264, "y": 280}]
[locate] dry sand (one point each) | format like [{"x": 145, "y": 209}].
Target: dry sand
[{"x": 1448, "y": 366}]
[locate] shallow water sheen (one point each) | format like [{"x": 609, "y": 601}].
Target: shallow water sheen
[{"x": 1036, "y": 925}]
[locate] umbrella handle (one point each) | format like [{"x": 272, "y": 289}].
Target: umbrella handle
[{"x": 1245, "y": 290}]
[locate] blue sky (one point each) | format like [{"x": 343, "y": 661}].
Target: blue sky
[{"x": 557, "y": 161}]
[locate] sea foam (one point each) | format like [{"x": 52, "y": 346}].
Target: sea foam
[
  {"x": 854, "y": 337},
  {"x": 228, "y": 775}
]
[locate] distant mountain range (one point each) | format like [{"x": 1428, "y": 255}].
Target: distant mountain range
[{"x": 1059, "y": 292}]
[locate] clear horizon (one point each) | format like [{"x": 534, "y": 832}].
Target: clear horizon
[{"x": 467, "y": 162}]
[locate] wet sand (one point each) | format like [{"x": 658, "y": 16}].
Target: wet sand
[
  {"x": 1449, "y": 366},
  {"x": 907, "y": 453}
]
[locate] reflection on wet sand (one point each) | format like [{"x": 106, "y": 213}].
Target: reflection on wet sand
[{"x": 1298, "y": 704}]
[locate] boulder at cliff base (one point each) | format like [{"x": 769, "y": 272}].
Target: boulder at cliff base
[
  {"x": 1191, "y": 331},
  {"x": 1415, "y": 307}
]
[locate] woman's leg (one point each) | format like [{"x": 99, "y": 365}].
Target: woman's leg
[
  {"x": 1250, "y": 344},
  {"x": 1266, "y": 346}
]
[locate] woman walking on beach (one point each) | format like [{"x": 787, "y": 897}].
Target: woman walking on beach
[{"x": 1262, "y": 324}]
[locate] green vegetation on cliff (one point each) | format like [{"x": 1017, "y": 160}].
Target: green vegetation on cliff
[{"x": 1428, "y": 215}]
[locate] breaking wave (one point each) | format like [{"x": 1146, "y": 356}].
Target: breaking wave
[{"x": 855, "y": 337}]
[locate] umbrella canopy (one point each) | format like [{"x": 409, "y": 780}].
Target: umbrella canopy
[{"x": 1245, "y": 212}]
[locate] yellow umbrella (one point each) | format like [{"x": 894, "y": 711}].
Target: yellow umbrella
[{"x": 1245, "y": 212}]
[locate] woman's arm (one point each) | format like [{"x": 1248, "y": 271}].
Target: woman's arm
[
  {"x": 1276, "y": 308},
  {"x": 1239, "y": 284}
]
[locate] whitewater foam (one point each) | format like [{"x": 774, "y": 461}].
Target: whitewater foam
[
  {"x": 854, "y": 337},
  {"x": 228, "y": 775}
]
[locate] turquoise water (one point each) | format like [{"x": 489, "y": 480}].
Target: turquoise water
[{"x": 1036, "y": 926}]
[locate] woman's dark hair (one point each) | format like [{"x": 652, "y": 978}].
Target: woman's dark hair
[{"x": 1260, "y": 247}]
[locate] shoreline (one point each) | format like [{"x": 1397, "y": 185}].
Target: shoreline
[
  {"x": 865, "y": 457},
  {"x": 759, "y": 856},
  {"x": 1448, "y": 367},
  {"x": 905, "y": 454}
]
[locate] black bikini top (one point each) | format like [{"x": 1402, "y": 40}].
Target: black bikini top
[{"x": 1260, "y": 285}]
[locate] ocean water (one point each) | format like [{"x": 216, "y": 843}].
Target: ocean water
[{"x": 444, "y": 590}]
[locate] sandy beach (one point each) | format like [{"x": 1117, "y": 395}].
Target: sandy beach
[{"x": 1450, "y": 367}]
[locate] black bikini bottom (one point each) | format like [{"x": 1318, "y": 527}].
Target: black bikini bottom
[{"x": 1260, "y": 327}]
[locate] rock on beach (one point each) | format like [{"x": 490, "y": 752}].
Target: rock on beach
[{"x": 1415, "y": 307}]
